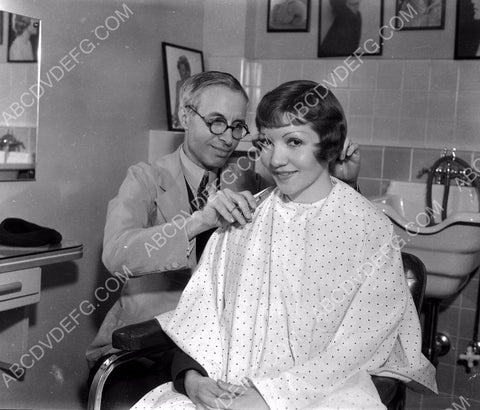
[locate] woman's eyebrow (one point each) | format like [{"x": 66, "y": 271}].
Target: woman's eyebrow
[{"x": 293, "y": 132}]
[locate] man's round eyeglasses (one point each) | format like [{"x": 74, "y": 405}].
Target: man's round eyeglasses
[{"x": 220, "y": 125}]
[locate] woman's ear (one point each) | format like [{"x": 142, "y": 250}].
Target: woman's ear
[{"x": 183, "y": 117}]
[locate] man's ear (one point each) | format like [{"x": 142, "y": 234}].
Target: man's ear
[{"x": 183, "y": 117}]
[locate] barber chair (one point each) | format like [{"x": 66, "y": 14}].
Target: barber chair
[{"x": 144, "y": 339}]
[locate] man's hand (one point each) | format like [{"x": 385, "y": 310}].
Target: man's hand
[
  {"x": 245, "y": 398},
  {"x": 224, "y": 207},
  {"x": 347, "y": 166},
  {"x": 204, "y": 392}
]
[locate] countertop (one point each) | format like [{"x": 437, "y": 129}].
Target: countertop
[{"x": 15, "y": 258}]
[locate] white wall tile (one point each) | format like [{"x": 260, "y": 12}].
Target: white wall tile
[
  {"x": 468, "y": 107},
  {"x": 336, "y": 74},
  {"x": 443, "y": 75},
  {"x": 416, "y": 75},
  {"x": 467, "y": 134},
  {"x": 414, "y": 104},
  {"x": 387, "y": 103},
  {"x": 385, "y": 130},
  {"x": 390, "y": 75},
  {"x": 440, "y": 132},
  {"x": 411, "y": 132},
  {"x": 361, "y": 102},
  {"x": 441, "y": 105},
  {"x": 469, "y": 76},
  {"x": 365, "y": 76},
  {"x": 360, "y": 129},
  {"x": 290, "y": 70},
  {"x": 270, "y": 73}
]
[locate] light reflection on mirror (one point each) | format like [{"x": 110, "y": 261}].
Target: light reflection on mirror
[{"x": 19, "y": 72}]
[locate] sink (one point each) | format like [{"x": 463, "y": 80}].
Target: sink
[{"x": 450, "y": 250}]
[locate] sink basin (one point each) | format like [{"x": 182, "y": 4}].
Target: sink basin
[{"x": 450, "y": 250}]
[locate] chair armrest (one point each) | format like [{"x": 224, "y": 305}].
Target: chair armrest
[
  {"x": 416, "y": 276},
  {"x": 141, "y": 336}
]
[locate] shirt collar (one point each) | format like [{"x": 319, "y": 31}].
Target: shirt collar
[{"x": 193, "y": 172}]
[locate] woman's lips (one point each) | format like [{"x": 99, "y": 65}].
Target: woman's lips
[{"x": 284, "y": 175}]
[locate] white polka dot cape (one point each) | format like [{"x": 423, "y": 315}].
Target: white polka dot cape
[{"x": 304, "y": 302}]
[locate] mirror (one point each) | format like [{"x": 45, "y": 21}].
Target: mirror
[{"x": 19, "y": 74}]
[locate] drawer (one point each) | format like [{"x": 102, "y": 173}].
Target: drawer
[{"x": 19, "y": 288}]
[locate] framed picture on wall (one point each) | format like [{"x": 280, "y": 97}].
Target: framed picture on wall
[
  {"x": 288, "y": 15},
  {"x": 420, "y": 14},
  {"x": 22, "y": 39},
  {"x": 345, "y": 26},
  {"x": 467, "y": 34},
  {"x": 179, "y": 63}
]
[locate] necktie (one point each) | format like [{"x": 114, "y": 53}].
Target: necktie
[
  {"x": 202, "y": 193},
  {"x": 198, "y": 203}
]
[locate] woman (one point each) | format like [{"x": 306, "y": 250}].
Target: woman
[
  {"x": 343, "y": 36},
  {"x": 21, "y": 48},
  {"x": 184, "y": 71},
  {"x": 298, "y": 308}
]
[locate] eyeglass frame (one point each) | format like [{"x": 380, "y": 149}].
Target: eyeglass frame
[{"x": 228, "y": 126}]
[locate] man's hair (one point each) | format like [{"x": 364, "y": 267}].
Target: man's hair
[
  {"x": 306, "y": 103},
  {"x": 193, "y": 86}
]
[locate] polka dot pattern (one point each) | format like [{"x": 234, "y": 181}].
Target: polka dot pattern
[{"x": 305, "y": 302}]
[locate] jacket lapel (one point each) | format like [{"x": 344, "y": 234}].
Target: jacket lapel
[{"x": 172, "y": 199}]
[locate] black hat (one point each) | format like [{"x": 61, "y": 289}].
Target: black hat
[{"x": 18, "y": 232}]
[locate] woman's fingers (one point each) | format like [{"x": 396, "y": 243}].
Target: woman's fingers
[
  {"x": 346, "y": 144},
  {"x": 351, "y": 149}
]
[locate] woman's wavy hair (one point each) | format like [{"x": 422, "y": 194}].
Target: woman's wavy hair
[{"x": 305, "y": 103}]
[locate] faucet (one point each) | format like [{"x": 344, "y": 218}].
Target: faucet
[{"x": 442, "y": 171}]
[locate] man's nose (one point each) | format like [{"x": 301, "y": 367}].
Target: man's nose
[{"x": 227, "y": 137}]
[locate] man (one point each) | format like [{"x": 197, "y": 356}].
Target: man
[{"x": 160, "y": 219}]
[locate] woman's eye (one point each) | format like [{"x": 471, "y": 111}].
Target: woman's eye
[{"x": 294, "y": 142}]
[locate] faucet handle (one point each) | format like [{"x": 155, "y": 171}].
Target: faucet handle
[{"x": 471, "y": 358}]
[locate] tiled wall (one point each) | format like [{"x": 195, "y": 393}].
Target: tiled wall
[
  {"x": 411, "y": 103},
  {"x": 402, "y": 113},
  {"x": 381, "y": 164}
]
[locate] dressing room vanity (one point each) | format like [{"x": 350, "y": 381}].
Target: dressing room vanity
[{"x": 20, "y": 287}]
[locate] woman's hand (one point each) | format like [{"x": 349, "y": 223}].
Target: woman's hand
[
  {"x": 205, "y": 392},
  {"x": 347, "y": 166},
  {"x": 224, "y": 207},
  {"x": 245, "y": 397}
]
